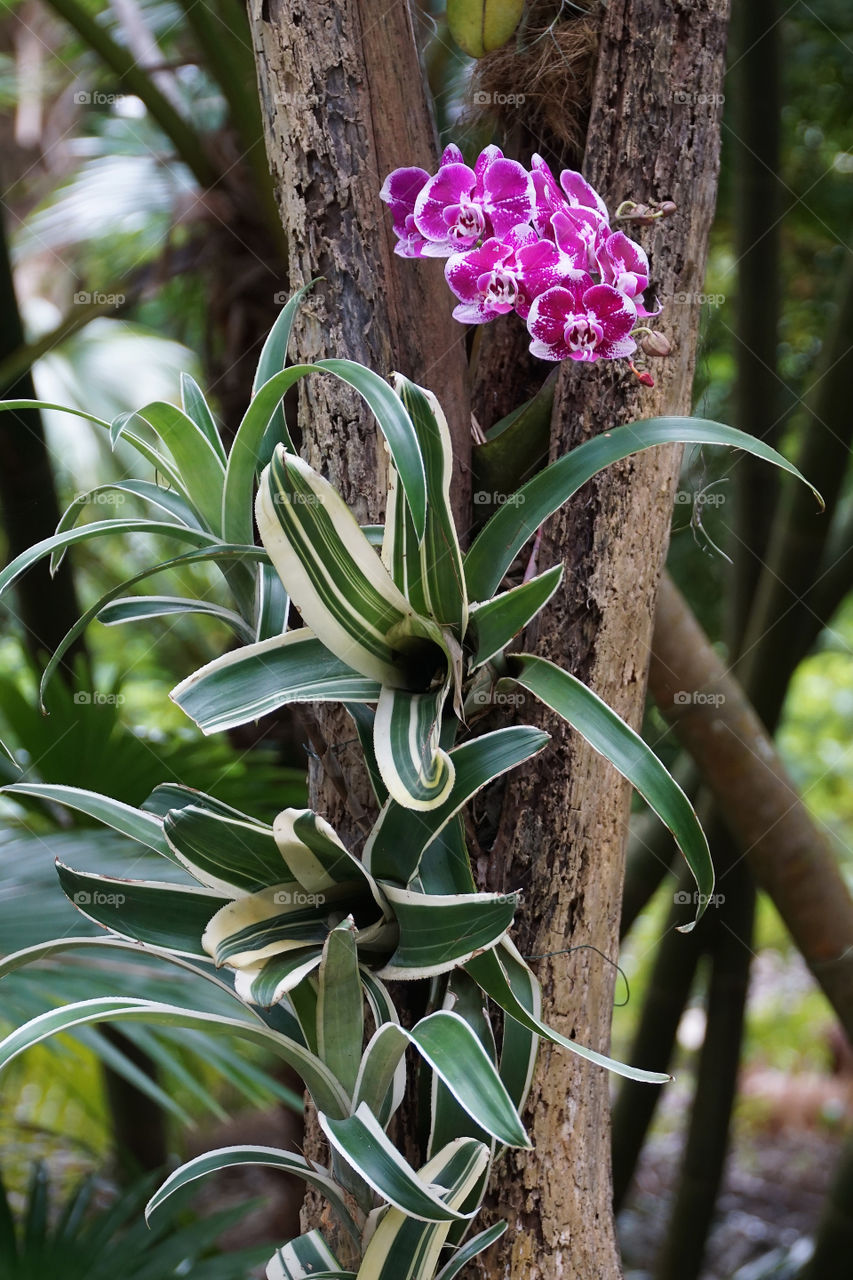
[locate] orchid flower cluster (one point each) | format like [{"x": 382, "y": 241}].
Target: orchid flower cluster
[{"x": 520, "y": 241}]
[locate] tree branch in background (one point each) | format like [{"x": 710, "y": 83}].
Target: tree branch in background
[
  {"x": 788, "y": 854},
  {"x": 754, "y": 147},
  {"x": 183, "y": 137},
  {"x": 791, "y": 601}
]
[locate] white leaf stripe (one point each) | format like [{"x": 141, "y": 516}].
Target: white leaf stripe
[
  {"x": 254, "y": 927},
  {"x": 395, "y": 845},
  {"x": 418, "y": 773},
  {"x": 252, "y": 681},
  {"x": 364, "y": 1145},
  {"x": 404, "y": 1249},
  {"x": 443, "y": 579},
  {"x": 440, "y": 931},
  {"x": 148, "y": 911},
  {"x": 224, "y": 853},
  {"x": 329, "y": 569},
  {"x": 266, "y": 983},
  {"x": 470, "y": 1250}
]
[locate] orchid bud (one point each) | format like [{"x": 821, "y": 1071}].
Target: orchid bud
[{"x": 654, "y": 343}]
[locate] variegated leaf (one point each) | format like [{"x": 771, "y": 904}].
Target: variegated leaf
[
  {"x": 402, "y": 1248},
  {"x": 250, "y": 682},
  {"x": 439, "y": 932},
  {"x": 230, "y": 855},
  {"x": 418, "y": 773},
  {"x": 337, "y": 581},
  {"x": 441, "y": 573}
]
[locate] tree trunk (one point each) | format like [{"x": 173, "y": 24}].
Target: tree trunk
[
  {"x": 345, "y": 102},
  {"x": 653, "y": 134}
]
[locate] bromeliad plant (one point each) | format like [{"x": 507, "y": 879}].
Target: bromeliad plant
[{"x": 415, "y": 639}]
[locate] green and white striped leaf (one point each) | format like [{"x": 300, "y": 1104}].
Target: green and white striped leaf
[
  {"x": 627, "y": 752},
  {"x": 364, "y": 717},
  {"x": 404, "y": 1249},
  {"x": 267, "y": 983},
  {"x": 313, "y": 853},
  {"x": 500, "y": 541},
  {"x": 196, "y": 407},
  {"x": 230, "y": 855},
  {"x": 325, "y": 1089},
  {"x": 399, "y": 545},
  {"x": 337, "y": 581},
  {"x": 449, "y": 1119},
  {"x": 440, "y": 931},
  {"x": 263, "y": 428},
  {"x": 520, "y": 1044},
  {"x": 455, "y": 1054},
  {"x": 442, "y": 577},
  {"x": 154, "y": 912},
  {"x": 271, "y": 361},
  {"x": 196, "y": 458},
  {"x": 273, "y": 604},
  {"x": 340, "y": 1005},
  {"x": 381, "y": 1079},
  {"x": 161, "y": 464},
  {"x": 363, "y": 1143},
  {"x": 253, "y": 681},
  {"x": 468, "y": 1251},
  {"x": 145, "y": 828},
  {"x": 307, "y": 1257},
  {"x": 259, "y": 925},
  {"x": 496, "y": 622},
  {"x": 417, "y": 771},
  {"x": 107, "y": 942},
  {"x": 267, "y": 1157},
  {"x": 490, "y": 971},
  {"x": 169, "y": 796},
  {"x": 395, "y": 845},
  {"x": 140, "y": 608}
]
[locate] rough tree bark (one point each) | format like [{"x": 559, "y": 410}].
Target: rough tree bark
[{"x": 653, "y": 134}]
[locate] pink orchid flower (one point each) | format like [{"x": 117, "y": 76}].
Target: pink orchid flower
[
  {"x": 460, "y": 206},
  {"x": 623, "y": 264},
  {"x": 503, "y": 275},
  {"x": 574, "y": 192},
  {"x": 574, "y": 322},
  {"x": 400, "y": 190}
]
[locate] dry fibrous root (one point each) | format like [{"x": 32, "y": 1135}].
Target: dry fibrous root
[{"x": 543, "y": 76}]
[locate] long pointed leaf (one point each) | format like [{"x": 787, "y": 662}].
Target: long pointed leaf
[
  {"x": 495, "y": 623},
  {"x": 326, "y": 1091},
  {"x": 364, "y": 1144},
  {"x": 442, "y": 576},
  {"x": 497, "y": 545},
  {"x": 250, "y": 682},
  {"x": 490, "y": 971},
  {"x": 160, "y": 913},
  {"x": 138, "y": 825},
  {"x": 218, "y": 552},
  {"x": 627, "y": 751}
]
